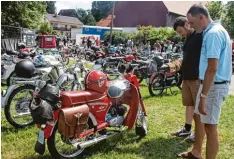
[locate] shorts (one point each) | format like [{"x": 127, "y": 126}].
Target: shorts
[
  {"x": 214, "y": 102},
  {"x": 189, "y": 92}
]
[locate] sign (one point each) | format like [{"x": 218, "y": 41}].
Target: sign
[{"x": 79, "y": 38}]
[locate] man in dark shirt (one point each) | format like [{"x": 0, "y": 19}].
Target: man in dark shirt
[{"x": 190, "y": 72}]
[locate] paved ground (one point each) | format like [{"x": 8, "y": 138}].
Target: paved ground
[{"x": 231, "y": 91}]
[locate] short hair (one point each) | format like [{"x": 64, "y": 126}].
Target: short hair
[
  {"x": 197, "y": 9},
  {"x": 180, "y": 21}
]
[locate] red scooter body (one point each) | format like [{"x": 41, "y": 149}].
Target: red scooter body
[{"x": 99, "y": 105}]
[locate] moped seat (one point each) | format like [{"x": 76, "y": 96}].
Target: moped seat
[{"x": 80, "y": 97}]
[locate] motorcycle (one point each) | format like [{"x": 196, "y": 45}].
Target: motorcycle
[
  {"x": 169, "y": 75},
  {"x": 8, "y": 61},
  {"x": 85, "y": 118},
  {"x": 22, "y": 89}
]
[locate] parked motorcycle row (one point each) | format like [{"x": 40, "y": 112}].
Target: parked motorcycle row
[{"x": 74, "y": 107}]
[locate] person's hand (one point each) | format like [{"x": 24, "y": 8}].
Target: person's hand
[{"x": 202, "y": 105}]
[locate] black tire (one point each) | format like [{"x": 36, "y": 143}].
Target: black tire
[
  {"x": 142, "y": 131},
  {"x": 52, "y": 148},
  {"x": 9, "y": 81},
  {"x": 87, "y": 57},
  {"x": 160, "y": 78},
  {"x": 92, "y": 58},
  {"x": 7, "y": 107}
]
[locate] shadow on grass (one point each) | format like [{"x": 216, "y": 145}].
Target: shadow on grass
[
  {"x": 167, "y": 148},
  {"x": 8, "y": 129}
]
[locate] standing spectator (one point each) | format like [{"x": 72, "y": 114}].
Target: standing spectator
[
  {"x": 148, "y": 49},
  {"x": 65, "y": 41},
  {"x": 89, "y": 42},
  {"x": 215, "y": 71},
  {"x": 158, "y": 47},
  {"x": 97, "y": 41},
  {"x": 190, "y": 70}
]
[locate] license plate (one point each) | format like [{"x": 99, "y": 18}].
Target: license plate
[{"x": 41, "y": 137}]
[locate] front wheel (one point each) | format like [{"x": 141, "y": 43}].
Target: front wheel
[
  {"x": 156, "y": 87},
  {"x": 17, "y": 109}
]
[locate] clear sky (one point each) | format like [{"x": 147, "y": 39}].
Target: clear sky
[{"x": 85, "y": 4}]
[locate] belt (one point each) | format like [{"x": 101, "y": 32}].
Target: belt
[{"x": 223, "y": 82}]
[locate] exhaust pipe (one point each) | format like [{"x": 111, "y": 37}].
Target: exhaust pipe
[{"x": 95, "y": 140}]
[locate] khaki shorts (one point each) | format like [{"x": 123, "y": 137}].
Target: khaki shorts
[
  {"x": 214, "y": 102},
  {"x": 189, "y": 92}
]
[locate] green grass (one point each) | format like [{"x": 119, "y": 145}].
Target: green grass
[{"x": 165, "y": 115}]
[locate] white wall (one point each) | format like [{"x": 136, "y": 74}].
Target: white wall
[{"x": 129, "y": 29}]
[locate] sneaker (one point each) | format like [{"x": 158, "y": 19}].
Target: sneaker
[
  {"x": 191, "y": 137},
  {"x": 181, "y": 133}
]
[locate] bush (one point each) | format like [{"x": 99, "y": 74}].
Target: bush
[{"x": 146, "y": 33}]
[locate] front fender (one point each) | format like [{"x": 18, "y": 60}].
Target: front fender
[
  {"x": 6, "y": 96},
  {"x": 134, "y": 103}
]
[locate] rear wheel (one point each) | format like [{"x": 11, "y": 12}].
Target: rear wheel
[
  {"x": 156, "y": 86},
  {"x": 61, "y": 147}
]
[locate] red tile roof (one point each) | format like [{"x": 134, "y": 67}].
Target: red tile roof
[{"x": 105, "y": 22}]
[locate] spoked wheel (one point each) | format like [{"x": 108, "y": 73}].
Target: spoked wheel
[
  {"x": 156, "y": 86},
  {"x": 61, "y": 147},
  {"x": 17, "y": 109}
]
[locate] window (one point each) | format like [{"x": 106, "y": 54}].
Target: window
[
  {"x": 65, "y": 27},
  {"x": 73, "y": 26}
]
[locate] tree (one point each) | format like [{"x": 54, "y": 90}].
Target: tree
[
  {"x": 89, "y": 19},
  {"x": 81, "y": 13},
  {"x": 228, "y": 18},
  {"x": 45, "y": 27},
  {"x": 51, "y": 9},
  {"x": 215, "y": 9},
  {"x": 100, "y": 9},
  {"x": 27, "y": 14}
]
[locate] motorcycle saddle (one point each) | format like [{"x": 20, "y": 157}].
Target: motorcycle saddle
[{"x": 73, "y": 98}]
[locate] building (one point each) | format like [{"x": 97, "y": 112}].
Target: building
[
  {"x": 156, "y": 13},
  {"x": 63, "y": 23}
]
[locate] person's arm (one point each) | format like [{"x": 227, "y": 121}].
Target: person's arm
[{"x": 213, "y": 47}]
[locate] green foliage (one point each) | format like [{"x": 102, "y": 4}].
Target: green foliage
[
  {"x": 45, "y": 27},
  {"x": 27, "y": 14},
  {"x": 51, "y": 9},
  {"x": 100, "y": 9},
  {"x": 228, "y": 18},
  {"x": 215, "y": 9},
  {"x": 146, "y": 33},
  {"x": 81, "y": 14},
  {"x": 89, "y": 20}
]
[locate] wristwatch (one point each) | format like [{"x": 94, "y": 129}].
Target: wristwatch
[{"x": 203, "y": 96}]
